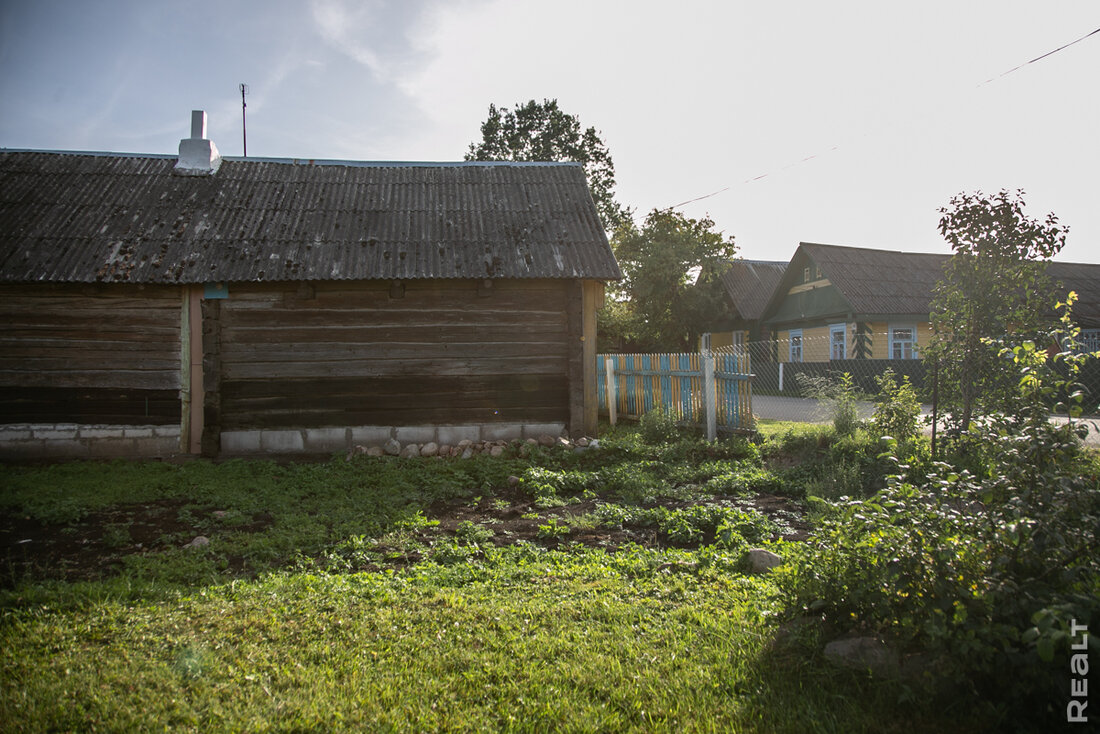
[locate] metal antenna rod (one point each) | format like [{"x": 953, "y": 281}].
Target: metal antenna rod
[{"x": 244, "y": 128}]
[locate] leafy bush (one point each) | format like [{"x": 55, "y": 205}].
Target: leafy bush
[
  {"x": 984, "y": 569},
  {"x": 658, "y": 427},
  {"x": 839, "y": 394},
  {"x": 898, "y": 408}
]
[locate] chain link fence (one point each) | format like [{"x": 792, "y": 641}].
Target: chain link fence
[{"x": 784, "y": 370}]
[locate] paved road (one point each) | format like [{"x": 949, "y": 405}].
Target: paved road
[{"x": 814, "y": 411}]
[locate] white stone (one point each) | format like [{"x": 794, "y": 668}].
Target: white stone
[
  {"x": 240, "y": 442},
  {"x": 762, "y": 561},
  {"x": 410, "y": 452},
  {"x": 496, "y": 451},
  {"x": 414, "y": 434},
  {"x": 55, "y": 433},
  {"x": 452, "y": 435},
  {"x": 375, "y": 451},
  {"x": 501, "y": 431},
  {"x": 198, "y": 542},
  {"x": 138, "y": 432},
  {"x": 281, "y": 442},
  {"x": 371, "y": 435},
  {"x": 8, "y": 434},
  {"x": 535, "y": 430},
  {"x": 546, "y": 440},
  {"x": 392, "y": 447},
  {"x": 429, "y": 449},
  {"x": 326, "y": 439}
]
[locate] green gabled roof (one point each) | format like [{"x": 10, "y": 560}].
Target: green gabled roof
[{"x": 877, "y": 284}]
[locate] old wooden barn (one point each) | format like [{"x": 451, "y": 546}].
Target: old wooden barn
[{"x": 162, "y": 304}]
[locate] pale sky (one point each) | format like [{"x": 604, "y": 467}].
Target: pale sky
[{"x": 839, "y": 122}]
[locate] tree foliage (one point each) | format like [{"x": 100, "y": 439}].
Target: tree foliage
[
  {"x": 984, "y": 570},
  {"x": 671, "y": 266},
  {"x": 536, "y": 131},
  {"x": 993, "y": 284}
]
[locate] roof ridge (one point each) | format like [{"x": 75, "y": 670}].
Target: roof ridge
[
  {"x": 311, "y": 161},
  {"x": 871, "y": 249}
]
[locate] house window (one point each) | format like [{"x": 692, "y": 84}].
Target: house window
[
  {"x": 805, "y": 275},
  {"x": 903, "y": 342},
  {"x": 739, "y": 338},
  {"x": 1090, "y": 340},
  {"x": 838, "y": 341},
  {"x": 795, "y": 354}
]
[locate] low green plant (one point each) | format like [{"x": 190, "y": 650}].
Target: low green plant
[
  {"x": 658, "y": 427},
  {"x": 552, "y": 530},
  {"x": 897, "y": 408},
  {"x": 840, "y": 394},
  {"x": 472, "y": 533}
]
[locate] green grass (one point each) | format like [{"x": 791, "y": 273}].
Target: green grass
[
  {"x": 550, "y": 641},
  {"x": 275, "y": 626}
]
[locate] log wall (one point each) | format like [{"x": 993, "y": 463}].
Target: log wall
[
  {"x": 90, "y": 354},
  {"x": 439, "y": 352}
]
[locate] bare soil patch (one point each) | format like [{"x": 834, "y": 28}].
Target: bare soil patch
[{"x": 94, "y": 547}]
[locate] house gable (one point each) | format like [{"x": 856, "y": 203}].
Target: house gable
[{"x": 805, "y": 295}]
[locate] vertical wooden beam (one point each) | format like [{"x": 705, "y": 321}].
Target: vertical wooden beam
[
  {"x": 710, "y": 397},
  {"x": 612, "y": 397},
  {"x": 593, "y": 301},
  {"x": 574, "y": 316},
  {"x": 185, "y": 370},
  {"x": 211, "y": 377},
  {"x": 195, "y": 371}
]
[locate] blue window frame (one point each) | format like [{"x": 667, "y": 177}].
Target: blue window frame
[{"x": 794, "y": 353}]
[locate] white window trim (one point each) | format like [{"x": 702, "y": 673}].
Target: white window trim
[
  {"x": 833, "y": 329},
  {"x": 915, "y": 352},
  {"x": 790, "y": 345},
  {"x": 1090, "y": 340}
]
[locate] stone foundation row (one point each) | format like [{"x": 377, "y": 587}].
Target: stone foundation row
[{"x": 466, "y": 449}]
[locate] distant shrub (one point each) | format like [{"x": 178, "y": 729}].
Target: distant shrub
[
  {"x": 898, "y": 408},
  {"x": 839, "y": 394},
  {"x": 658, "y": 427}
]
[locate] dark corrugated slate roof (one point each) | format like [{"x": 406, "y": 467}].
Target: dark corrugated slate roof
[
  {"x": 750, "y": 283},
  {"x": 77, "y": 217},
  {"x": 1084, "y": 278},
  {"x": 887, "y": 282},
  {"x": 879, "y": 281}
]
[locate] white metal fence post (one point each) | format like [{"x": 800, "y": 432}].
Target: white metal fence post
[
  {"x": 710, "y": 396},
  {"x": 612, "y": 408},
  {"x": 780, "y": 377}
]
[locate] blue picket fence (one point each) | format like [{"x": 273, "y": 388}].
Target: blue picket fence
[{"x": 675, "y": 383}]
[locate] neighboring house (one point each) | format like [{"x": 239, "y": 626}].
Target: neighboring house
[
  {"x": 748, "y": 285},
  {"x": 153, "y": 305},
  {"x": 836, "y": 303}
]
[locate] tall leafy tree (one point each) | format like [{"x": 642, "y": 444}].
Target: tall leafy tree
[
  {"x": 671, "y": 266},
  {"x": 543, "y": 132},
  {"x": 993, "y": 285}
]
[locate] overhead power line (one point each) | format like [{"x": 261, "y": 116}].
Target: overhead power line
[{"x": 837, "y": 146}]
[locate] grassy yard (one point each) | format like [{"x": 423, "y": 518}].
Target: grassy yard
[{"x": 603, "y": 590}]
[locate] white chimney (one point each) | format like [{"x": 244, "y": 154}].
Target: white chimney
[{"x": 198, "y": 156}]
